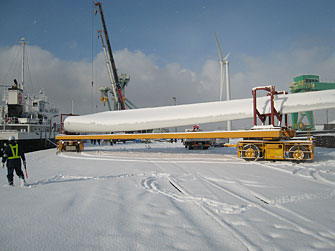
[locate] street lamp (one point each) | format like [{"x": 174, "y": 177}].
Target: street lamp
[
  {"x": 175, "y": 103},
  {"x": 175, "y": 100}
]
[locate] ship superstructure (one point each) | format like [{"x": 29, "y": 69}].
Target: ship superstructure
[{"x": 27, "y": 117}]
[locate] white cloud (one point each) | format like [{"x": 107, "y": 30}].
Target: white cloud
[
  {"x": 280, "y": 68},
  {"x": 151, "y": 85}
]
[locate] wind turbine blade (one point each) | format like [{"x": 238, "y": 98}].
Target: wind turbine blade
[
  {"x": 226, "y": 57},
  {"x": 219, "y": 48},
  {"x": 199, "y": 113}
]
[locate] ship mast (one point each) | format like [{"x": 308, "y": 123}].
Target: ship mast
[{"x": 23, "y": 43}]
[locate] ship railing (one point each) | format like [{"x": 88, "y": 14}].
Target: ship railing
[
  {"x": 6, "y": 130},
  {"x": 27, "y": 121}
]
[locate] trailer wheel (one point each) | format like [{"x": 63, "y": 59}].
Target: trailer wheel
[
  {"x": 298, "y": 153},
  {"x": 250, "y": 152}
]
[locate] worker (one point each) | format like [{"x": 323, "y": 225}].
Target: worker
[
  {"x": 13, "y": 154},
  {"x": 15, "y": 86}
]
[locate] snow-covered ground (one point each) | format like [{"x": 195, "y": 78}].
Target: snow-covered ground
[{"x": 161, "y": 196}]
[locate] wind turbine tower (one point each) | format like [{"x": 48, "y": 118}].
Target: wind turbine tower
[
  {"x": 224, "y": 64},
  {"x": 221, "y": 66}
]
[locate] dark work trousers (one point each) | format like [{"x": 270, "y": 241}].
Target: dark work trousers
[{"x": 10, "y": 175}]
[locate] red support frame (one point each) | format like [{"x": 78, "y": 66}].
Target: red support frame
[{"x": 274, "y": 113}]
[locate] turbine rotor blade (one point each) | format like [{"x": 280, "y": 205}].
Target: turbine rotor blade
[
  {"x": 226, "y": 57},
  {"x": 219, "y": 48}
]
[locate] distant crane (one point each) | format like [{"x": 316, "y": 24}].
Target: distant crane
[
  {"x": 115, "y": 84},
  {"x": 116, "y": 96},
  {"x": 224, "y": 65}
]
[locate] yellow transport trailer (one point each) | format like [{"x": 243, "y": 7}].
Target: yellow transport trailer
[
  {"x": 261, "y": 142},
  {"x": 267, "y": 144},
  {"x": 294, "y": 150}
]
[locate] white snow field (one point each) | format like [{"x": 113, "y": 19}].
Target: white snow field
[{"x": 161, "y": 196}]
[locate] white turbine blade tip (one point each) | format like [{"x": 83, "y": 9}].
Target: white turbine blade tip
[{"x": 227, "y": 56}]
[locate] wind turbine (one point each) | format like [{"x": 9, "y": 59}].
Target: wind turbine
[
  {"x": 224, "y": 62},
  {"x": 221, "y": 65}
]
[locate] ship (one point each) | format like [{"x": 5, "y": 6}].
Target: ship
[{"x": 30, "y": 118}]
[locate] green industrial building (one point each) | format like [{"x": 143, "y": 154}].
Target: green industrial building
[{"x": 307, "y": 83}]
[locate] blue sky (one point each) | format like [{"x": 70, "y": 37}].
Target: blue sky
[
  {"x": 173, "y": 45},
  {"x": 173, "y": 31}
]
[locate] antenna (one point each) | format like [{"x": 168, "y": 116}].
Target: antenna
[{"x": 23, "y": 42}]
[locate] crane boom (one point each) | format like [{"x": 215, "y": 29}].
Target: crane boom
[
  {"x": 116, "y": 96},
  {"x": 111, "y": 58}
]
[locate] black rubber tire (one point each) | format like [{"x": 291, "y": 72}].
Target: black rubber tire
[
  {"x": 250, "y": 147},
  {"x": 298, "y": 153}
]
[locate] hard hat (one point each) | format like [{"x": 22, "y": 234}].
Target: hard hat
[{"x": 11, "y": 138}]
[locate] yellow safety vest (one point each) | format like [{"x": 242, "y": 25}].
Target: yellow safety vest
[{"x": 15, "y": 152}]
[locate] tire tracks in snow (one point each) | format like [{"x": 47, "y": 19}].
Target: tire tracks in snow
[
  {"x": 208, "y": 209},
  {"x": 213, "y": 208},
  {"x": 208, "y": 206},
  {"x": 70, "y": 178},
  {"x": 311, "y": 173},
  {"x": 159, "y": 159},
  {"x": 153, "y": 184},
  {"x": 266, "y": 209}
]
